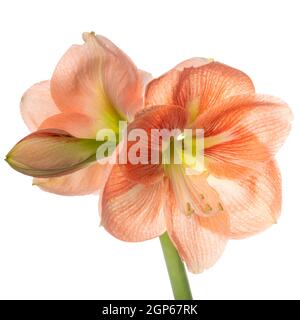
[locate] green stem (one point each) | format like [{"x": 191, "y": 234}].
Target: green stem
[{"x": 176, "y": 270}]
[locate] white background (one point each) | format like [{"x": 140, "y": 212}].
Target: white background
[{"x": 51, "y": 246}]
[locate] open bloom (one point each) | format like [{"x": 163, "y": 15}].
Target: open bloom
[
  {"x": 237, "y": 192},
  {"x": 94, "y": 86}
]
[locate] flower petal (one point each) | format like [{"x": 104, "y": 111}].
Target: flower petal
[
  {"x": 97, "y": 79},
  {"x": 37, "y": 105},
  {"x": 199, "y": 241},
  {"x": 50, "y": 153},
  {"x": 77, "y": 124},
  {"x": 84, "y": 181},
  {"x": 244, "y": 130},
  {"x": 254, "y": 202},
  {"x": 205, "y": 87},
  {"x": 145, "y": 77},
  {"x": 195, "y": 62},
  {"x": 162, "y": 91},
  {"x": 130, "y": 211},
  {"x": 123, "y": 82},
  {"x": 157, "y": 117}
]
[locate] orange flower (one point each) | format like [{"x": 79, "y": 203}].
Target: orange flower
[
  {"x": 238, "y": 191},
  {"x": 94, "y": 86}
]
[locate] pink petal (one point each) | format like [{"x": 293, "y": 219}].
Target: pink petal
[
  {"x": 206, "y": 87},
  {"x": 157, "y": 117},
  {"x": 254, "y": 202},
  {"x": 77, "y": 124},
  {"x": 242, "y": 131},
  {"x": 162, "y": 91},
  {"x": 123, "y": 82},
  {"x": 145, "y": 77},
  {"x": 130, "y": 211},
  {"x": 37, "y": 105},
  {"x": 84, "y": 181},
  {"x": 97, "y": 79},
  {"x": 199, "y": 241},
  {"x": 193, "y": 62}
]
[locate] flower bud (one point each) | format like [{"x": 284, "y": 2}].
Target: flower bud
[{"x": 51, "y": 153}]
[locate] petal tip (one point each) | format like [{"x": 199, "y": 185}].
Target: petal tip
[
  {"x": 88, "y": 35},
  {"x": 194, "y": 270}
]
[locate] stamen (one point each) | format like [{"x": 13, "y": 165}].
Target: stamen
[
  {"x": 207, "y": 208},
  {"x": 193, "y": 199}
]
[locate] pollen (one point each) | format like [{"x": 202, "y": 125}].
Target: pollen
[
  {"x": 207, "y": 208},
  {"x": 189, "y": 210},
  {"x": 221, "y": 208},
  {"x": 202, "y": 196}
]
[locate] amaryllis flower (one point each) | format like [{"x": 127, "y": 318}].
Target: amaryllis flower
[
  {"x": 194, "y": 205},
  {"x": 237, "y": 192},
  {"x": 94, "y": 86}
]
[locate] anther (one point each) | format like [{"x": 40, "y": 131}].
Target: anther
[
  {"x": 221, "y": 208},
  {"x": 189, "y": 209},
  {"x": 207, "y": 208}
]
